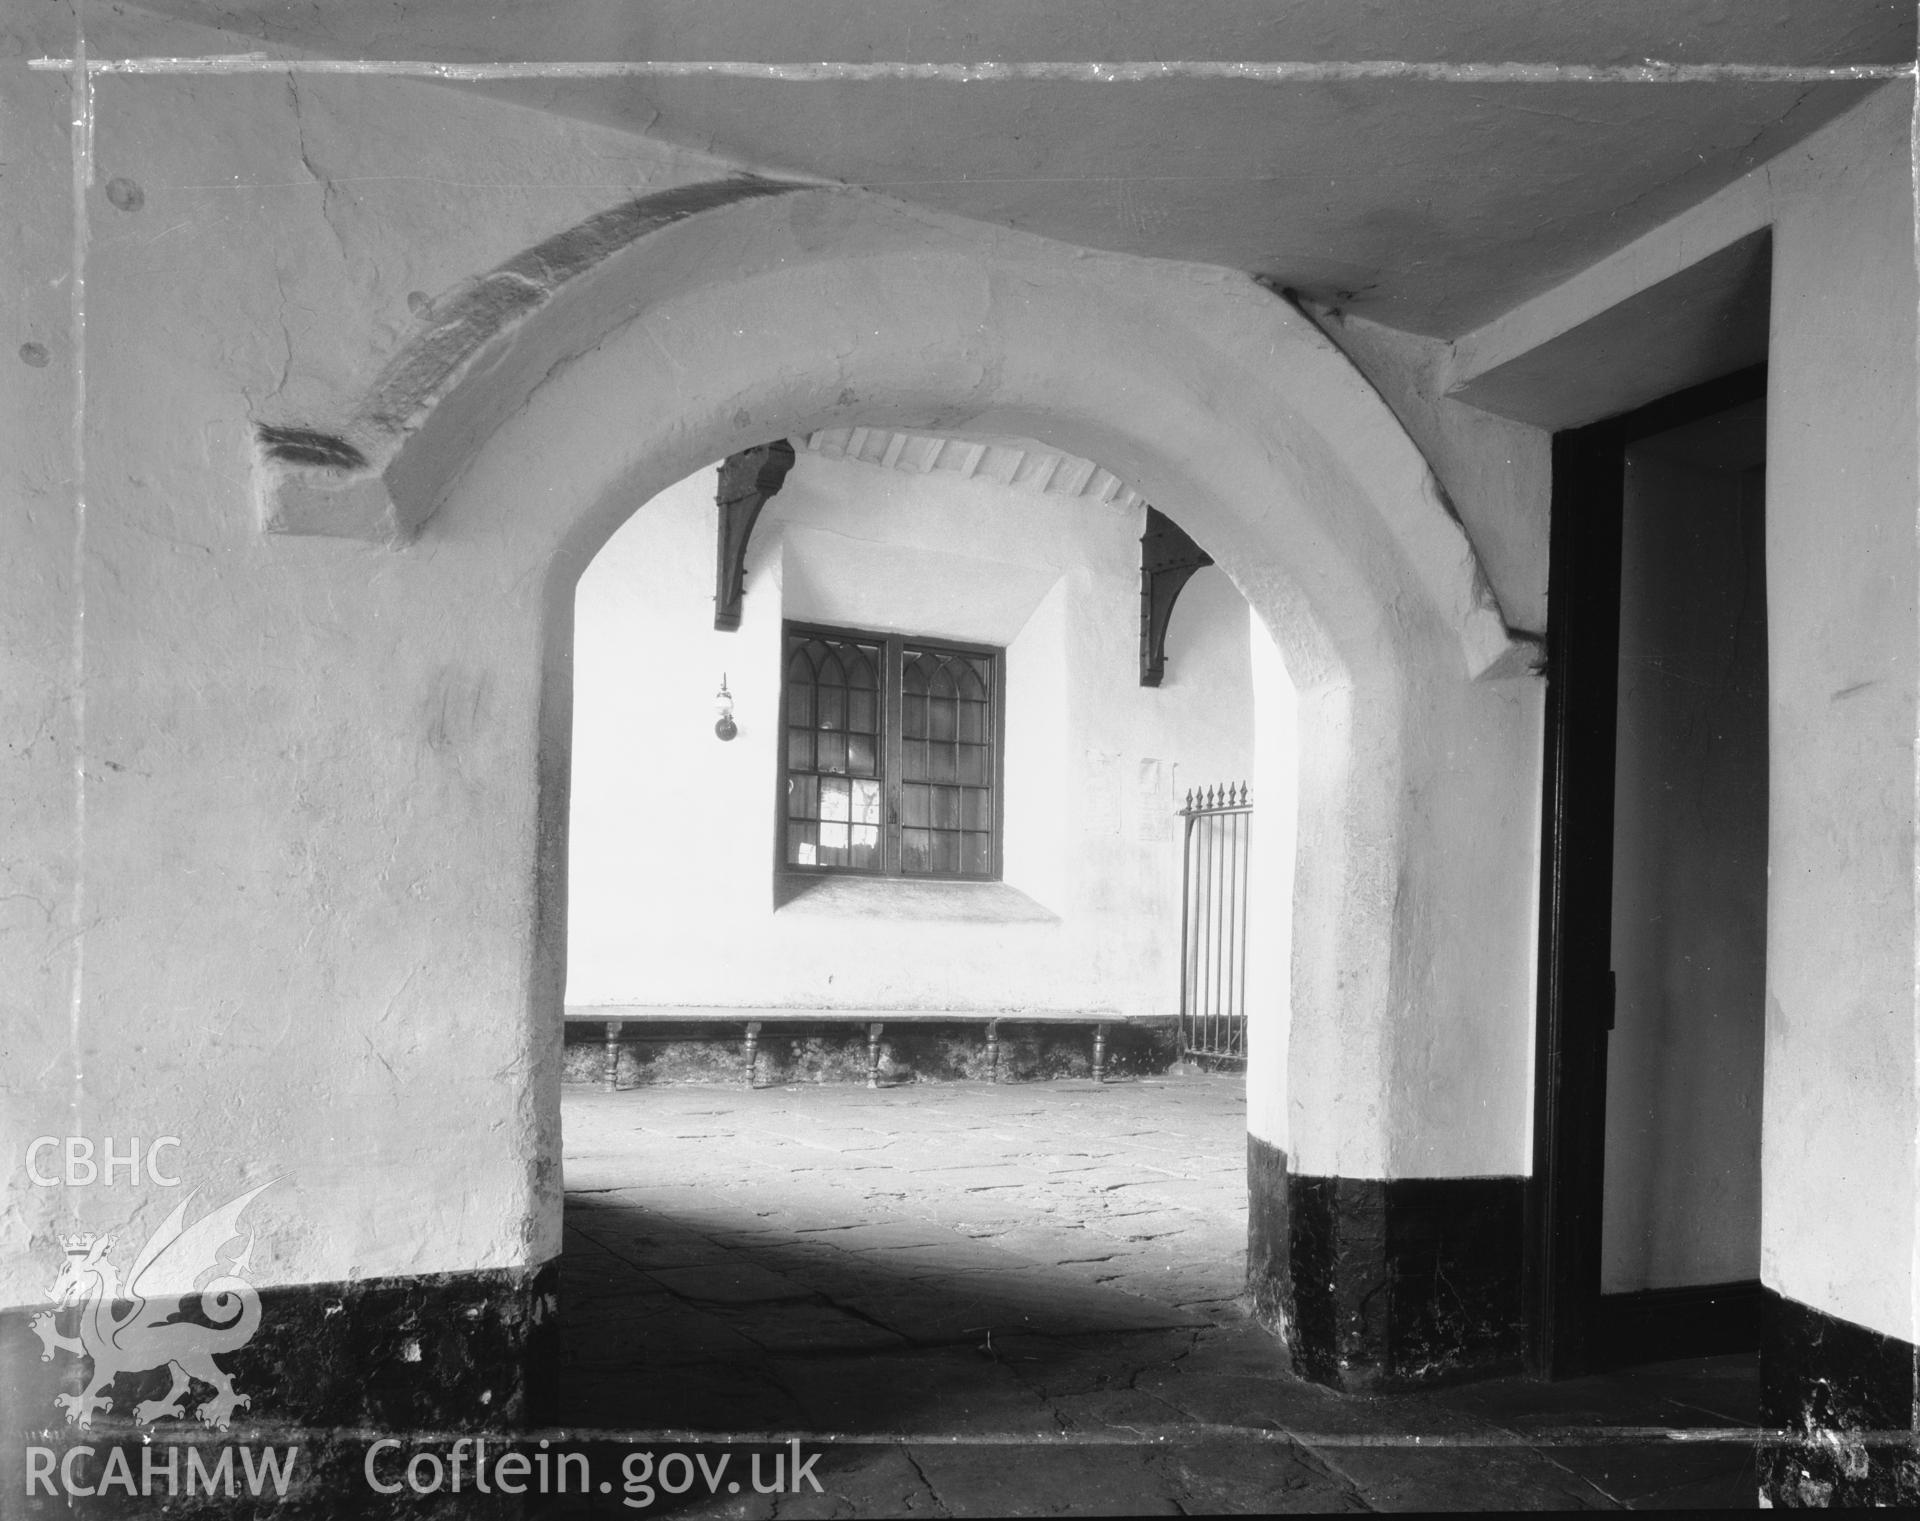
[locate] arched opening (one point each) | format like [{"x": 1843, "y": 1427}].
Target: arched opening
[
  {"x": 747, "y": 1222},
  {"x": 743, "y": 1212},
  {"x": 1404, "y": 1056}
]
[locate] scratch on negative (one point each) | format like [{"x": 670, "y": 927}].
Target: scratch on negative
[
  {"x": 1387, "y": 70},
  {"x": 81, "y": 90}
]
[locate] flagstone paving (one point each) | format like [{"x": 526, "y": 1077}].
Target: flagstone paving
[{"x": 1024, "y": 1299}]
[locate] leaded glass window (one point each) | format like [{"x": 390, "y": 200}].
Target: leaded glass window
[{"x": 892, "y": 758}]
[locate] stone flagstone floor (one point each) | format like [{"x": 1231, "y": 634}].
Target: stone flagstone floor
[{"x": 1024, "y": 1300}]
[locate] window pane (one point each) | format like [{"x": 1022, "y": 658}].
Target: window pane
[
  {"x": 831, "y": 753},
  {"x": 799, "y": 750},
  {"x": 800, "y": 845},
  {"x": 916, "y": 853},
  {"x": 976, "y": 810},
  {"x": 941, "y": 763},
  {"x": 913, "y": 761},
  {"x": 831, "y": 709},
  {"x": 833, "y": 801},
  {"x": 833, "y": 844},
  {"x": 866, "y": 847},
  {"x": 976, "y": 854},
  {"x": 800, "y": 704},
  {"x": 974, "y": 676},
  {"x": 913, "y": 717},
  {"x": 973, "y": 722},
  {"x": 913, "y": 806},
  {"x": 946, "y": 808},
  {"x": 866, "y": 803},
  {"x": 973, "y": 765},
  {"x": 863, "y": 713},
  {"x": 946, "y": 851},
  {"x": 941, "y": 719},
  {"x": 861, "y": 760},
  {"x": 803, "y": 797}
]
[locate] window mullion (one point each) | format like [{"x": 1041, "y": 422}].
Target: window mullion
[{"x": 892, "y": 708}]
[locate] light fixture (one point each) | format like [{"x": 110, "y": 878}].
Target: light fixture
[{"x": 725, "y": 727}]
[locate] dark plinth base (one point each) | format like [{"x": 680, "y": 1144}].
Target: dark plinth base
[
  {"x": 1386, "y": 1284},
  {"x": 840, "y": 1049},
  {"x": 332, "y": 1369},
  {"x": 1657, "y": 1325},
  {"x": 1269, "y": 1239},
  {"x": 1846, "y": 1398}
]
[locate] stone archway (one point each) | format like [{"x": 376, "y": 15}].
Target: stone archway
[{"x": 509, "y": 439}]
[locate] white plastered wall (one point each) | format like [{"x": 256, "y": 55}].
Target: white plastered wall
[
  {"x": 1840, "y": 1179},
  {"x": 1270, "y": 887},
  {"x": 292, "y": 886},
  {"x": 671, "y": 864},
  {"x": 269, "y": 860}
]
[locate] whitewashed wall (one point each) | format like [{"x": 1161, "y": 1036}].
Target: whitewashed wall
[
  {"x": 284, "y": 810},
  {"x": 671, "y": 882}
]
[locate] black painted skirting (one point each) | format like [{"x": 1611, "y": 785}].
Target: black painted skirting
[
  {"x": 1699, "y": 1320},
  {"x": 331, "y": 1367},
  {"x": 1269, "y": 1241},
  {"x": 1386, "y": 1284},
  {"x": 1848, "y": 1397}
]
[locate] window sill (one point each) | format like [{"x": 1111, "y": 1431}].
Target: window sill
[{"x": 850, "y": 897}]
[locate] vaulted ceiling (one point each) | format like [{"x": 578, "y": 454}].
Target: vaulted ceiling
[{"x": 1430, "y": 205}]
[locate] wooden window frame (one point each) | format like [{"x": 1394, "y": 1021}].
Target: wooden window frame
[{"x": 893, "y": 647}]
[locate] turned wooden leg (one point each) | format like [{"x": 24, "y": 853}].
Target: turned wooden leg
[
  {"x": 1099, "y": 1053},
  {"x": 873, "y": 1055},
  {"x": 610, "y": 1076},
  {"x": 753, "y": 1047},
  {"x": 993, "y": 1050}
]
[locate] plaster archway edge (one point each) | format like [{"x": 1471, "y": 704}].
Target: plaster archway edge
[{"x": 387, "y": 468}]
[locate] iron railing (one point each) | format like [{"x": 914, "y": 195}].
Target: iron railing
[{"x": 1213, "y": 922}]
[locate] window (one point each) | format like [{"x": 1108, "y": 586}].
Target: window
[{"x": 892, "y": 763}]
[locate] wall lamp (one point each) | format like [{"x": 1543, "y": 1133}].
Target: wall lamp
[{"x": 725, "y": 727}]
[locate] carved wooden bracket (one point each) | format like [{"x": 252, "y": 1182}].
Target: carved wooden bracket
[
  {"x": 1168, "y": 559},
  {"x": 747, "y": 479}
]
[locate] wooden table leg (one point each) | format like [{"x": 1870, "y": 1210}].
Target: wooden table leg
[
  {"x": 993, "y": 1050},
  {"x": 1099, "y": 1053},
  {"x": 753, "y": 1048},
  {"x": 873, "y": 1055},
  {"x": 610, "y": 1075}
]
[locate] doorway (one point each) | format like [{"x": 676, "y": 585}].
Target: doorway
[{"x": 1643, "y": 1241}]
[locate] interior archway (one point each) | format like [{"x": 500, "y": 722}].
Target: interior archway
[
  {"x": 785, "y": 314},
  {"x": 988, "y": 1185}
]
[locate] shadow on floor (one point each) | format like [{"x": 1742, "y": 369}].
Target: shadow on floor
[{"x": 935, "y": 1374}]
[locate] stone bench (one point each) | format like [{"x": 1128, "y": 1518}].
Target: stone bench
[{"x": 616, "y": 1018}]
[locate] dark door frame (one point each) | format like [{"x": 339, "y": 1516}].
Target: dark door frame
[{"x": 1561, "y": 1274}]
